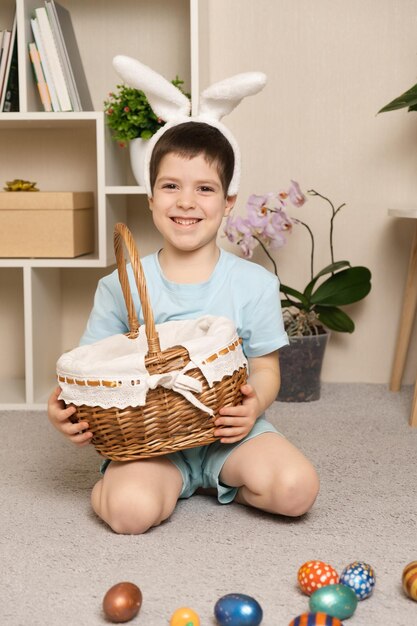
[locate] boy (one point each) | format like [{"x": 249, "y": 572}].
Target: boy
[{"x": 190, "y": 170}]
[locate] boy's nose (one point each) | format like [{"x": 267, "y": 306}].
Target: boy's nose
[{"x": 185, "y": 203}]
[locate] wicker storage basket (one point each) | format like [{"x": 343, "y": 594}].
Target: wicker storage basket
[{"x": 167, "y": 422}]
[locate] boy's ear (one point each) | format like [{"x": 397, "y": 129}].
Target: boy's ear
[
  {"x": 150, "y": 202},
  {"x": 230, "y": 203}
]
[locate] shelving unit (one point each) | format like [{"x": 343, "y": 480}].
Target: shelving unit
[{"x": 74, "y": 151}]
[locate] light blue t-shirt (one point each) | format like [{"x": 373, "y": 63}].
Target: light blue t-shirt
[{"x": 238, "y": 289}]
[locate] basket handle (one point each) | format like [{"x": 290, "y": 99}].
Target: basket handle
[{"x": 122, "y": 235}]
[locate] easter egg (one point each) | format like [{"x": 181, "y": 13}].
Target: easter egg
[
  {"x": 410, "y": 580},
  {"x": 315, "y": 619},
  {"x": 360, "y": 577},
  {"x": 314, "y": 575},
  {"x": 336, "y": 600},
  {"x": 184, "y": 616},
  {"x": 237, "y": 609},
  {"x": 122, "y": 602}
]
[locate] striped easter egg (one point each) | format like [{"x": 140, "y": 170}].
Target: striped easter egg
[
  {"x": 410, "y": 580},
  {"x": 315, "y": 619}
]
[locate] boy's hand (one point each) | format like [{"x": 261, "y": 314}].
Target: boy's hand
[
  {"x": 235, "y": 422},
  {"x": 59, "y": 417}
]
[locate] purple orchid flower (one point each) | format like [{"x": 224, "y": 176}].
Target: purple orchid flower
[
  {"x": 266, "y": 222},
  {"x": 296, "y": 196}
]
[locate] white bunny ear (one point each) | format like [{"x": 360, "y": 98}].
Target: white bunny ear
[
  {"x": 221, "y": 98},
  {"x": 167, "y": 102}
]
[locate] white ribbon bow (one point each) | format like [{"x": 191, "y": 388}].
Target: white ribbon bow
[{"x": 181, "y": 383}]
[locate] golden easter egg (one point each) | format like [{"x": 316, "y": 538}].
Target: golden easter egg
[
  {"x": 122, "y": 602},
  {"x": 410, "y": 580}
]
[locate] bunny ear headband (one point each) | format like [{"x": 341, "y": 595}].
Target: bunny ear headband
[{"x": 171, "y": 105}]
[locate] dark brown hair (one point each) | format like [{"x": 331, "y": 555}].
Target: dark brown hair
[{"x": 190, "y": 139}]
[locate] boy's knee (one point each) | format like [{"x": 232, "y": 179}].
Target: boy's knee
[
  {"x": 126, "y": 524},
  {"x": 296, "y": 492},
  {"x": 129, "y": 513},
  {"x": 290, "y": 493}
]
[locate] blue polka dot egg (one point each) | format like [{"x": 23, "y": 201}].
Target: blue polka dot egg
[
  {"x": 360, "y": 577},
  {"x": 237, "y": 609}
]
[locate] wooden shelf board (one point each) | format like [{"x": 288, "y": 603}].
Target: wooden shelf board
[{"x": 403, "y": 212}]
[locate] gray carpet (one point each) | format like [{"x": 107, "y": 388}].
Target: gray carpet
[{"x": 58, "y": 560}]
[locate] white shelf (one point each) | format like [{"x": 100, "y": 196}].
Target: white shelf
[
  {"x": 124, "y": 190},
  {"x": 45, "y": 302},
  {"x": 87, "y": 260},
  {"x": 49, "y": 120}
]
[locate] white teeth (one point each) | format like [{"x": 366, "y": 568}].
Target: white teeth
[{"x": 185, "y": 221}]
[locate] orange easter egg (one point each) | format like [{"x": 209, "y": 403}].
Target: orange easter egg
[
  {"x": 184, "y": 616},
  {"x": 314, "y": 575}
]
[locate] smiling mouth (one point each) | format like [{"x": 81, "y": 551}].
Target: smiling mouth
[{"x": 185, "y": 221}]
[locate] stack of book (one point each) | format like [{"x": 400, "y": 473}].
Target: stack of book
[
  {"x": 56, "y": 60},
  {"x": 9, "y": 83}
]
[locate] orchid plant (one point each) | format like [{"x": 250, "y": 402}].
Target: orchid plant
[{"x": 306, "y": 312}]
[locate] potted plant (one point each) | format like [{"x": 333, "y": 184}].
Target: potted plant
[
  {"x": 129, "y": 116},
  {"x": 309, "y": 314}
]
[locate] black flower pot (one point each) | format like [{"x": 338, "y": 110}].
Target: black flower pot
[{"x": 300, "y": 363}]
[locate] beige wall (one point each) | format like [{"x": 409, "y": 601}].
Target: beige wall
[{"x": 331, "y": 65}]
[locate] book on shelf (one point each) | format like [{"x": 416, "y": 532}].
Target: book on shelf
[
  {"x": 9, "y": 93},
  {"x": 5, "y": 46},
  {"x": 40, "y": 77},
  {"x": 1, "y": 44},
  {"x": 10, "y": 96},
  {"x": 64, "y": 35},
  {"x": 45, "y": 65},
  {"x": 54, "y": 62}
]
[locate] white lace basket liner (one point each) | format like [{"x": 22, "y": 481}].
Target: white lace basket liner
[
  {"x": 112, "y": 372},
  {"x": 157, "y": 389}
]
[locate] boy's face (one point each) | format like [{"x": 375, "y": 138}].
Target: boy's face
[{"x": 188, "y": 202}]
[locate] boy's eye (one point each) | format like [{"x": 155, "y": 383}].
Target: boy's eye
[
  {"x": 205, "y": 188},
  {"x": 169, "y": 186}
]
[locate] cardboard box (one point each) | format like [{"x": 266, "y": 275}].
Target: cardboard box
[{"x": 46, "y": 224}]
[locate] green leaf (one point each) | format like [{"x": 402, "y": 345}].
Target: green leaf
[
  {"x": 335, "y": 319},
  {"x": 333, "y": 267},
  {"x": 129, "y": 114},
  {"x": 287, "y": 303},
  {"x": 289, "y": 291},
  {"x": 407, "y": 99},
  {"x": 345, "y": 287}
]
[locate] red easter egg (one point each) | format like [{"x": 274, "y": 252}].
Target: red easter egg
[{"x": 314, "y": 575}]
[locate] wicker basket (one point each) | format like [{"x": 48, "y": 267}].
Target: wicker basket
[{"x": 168, "y": 422}]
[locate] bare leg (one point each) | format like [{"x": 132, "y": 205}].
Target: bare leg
[
  {"x": 134, "y": 496},
  {"x": 272, "y": 475}
]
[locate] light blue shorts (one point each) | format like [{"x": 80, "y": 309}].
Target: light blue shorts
[{"x": 201, "y": 467}]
